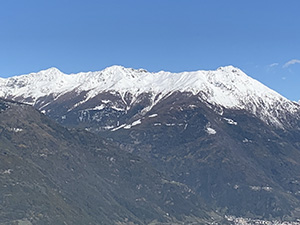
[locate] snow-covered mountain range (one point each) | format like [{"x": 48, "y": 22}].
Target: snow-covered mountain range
[
  {"x": 233, "y": 140},
  {"x": 227, "y": 87}
]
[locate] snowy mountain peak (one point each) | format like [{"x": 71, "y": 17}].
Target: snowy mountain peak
[
  {"x": 51, "y": 70},
  {"x": 233, "y": 72},
  {"x": 114, "y": 69},
  {"x": 49, "y": 74},
  {"x": 229, "y": 68},
  {"x": 123, "y": 72},
  {"x": 43, "y": 75}
]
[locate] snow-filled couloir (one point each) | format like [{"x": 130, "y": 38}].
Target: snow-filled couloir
[{"x": 228, "y": 87}]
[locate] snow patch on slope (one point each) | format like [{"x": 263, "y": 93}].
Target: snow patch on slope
[
  {"x": 230, "y": 121},
  {"x": 153, "y": 115},
  {"x": 210, "y": 130},
  {"x": 137, "y": 122}
]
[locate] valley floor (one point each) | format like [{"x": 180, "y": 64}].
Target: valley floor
[{"x": 248, "y": 221}]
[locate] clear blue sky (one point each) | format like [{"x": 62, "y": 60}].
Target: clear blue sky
[{"x": 261, "y": 37}]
